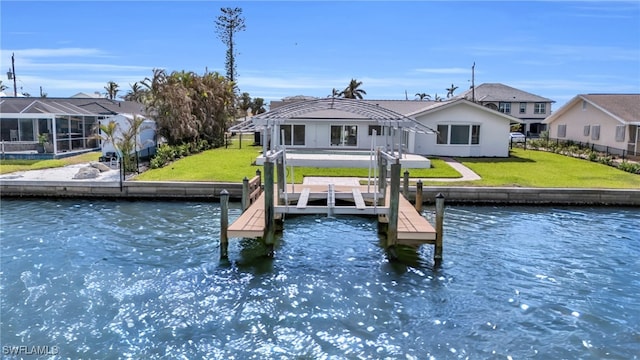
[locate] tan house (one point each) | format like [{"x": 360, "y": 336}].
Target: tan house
[
  {"x": 609, "y": 122},
  {"x": 531, "y": 109}
]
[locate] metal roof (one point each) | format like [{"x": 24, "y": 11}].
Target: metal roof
[{"x": 324, "y": 108}]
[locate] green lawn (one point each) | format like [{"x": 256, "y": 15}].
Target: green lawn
[
  {"x": 8, "y": 166},
  {"x": 233, "y": 164},
  {"x": 532, "y": 168}
]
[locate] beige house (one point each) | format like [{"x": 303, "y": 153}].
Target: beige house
[
  {"x": 609, "y": 122},
  {"x": 529, "y": 108}
]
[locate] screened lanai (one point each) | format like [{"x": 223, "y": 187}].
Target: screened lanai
[{"x": 48, "y": 128}]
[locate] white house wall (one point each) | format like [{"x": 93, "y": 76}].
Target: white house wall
[
  {"x": 494, "y": 133},
  {"x": 318, "y": 133},
  {"x": 575, "y": 119}
]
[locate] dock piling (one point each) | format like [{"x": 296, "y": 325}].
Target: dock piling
[
  {"x": 394, "y": 202},
  {"x": 437, "y": 252},
  {"x": 405, "y": 185},
  {"x": 269, "y": 222},
  {"x": 224, "y": 224},
  {"x": 245, "y": 193},
  {"x": 419, "y": 196}
]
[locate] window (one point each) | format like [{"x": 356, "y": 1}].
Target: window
[
  {"x": 562, "y": 131},
  {"x": 595, "y": 132},
  {"x": 504, "y": 107},
  {"x": 377, "y": 128},
  {"x": 620, "y": 133},
  {"x": 539, "y": 108},
  {"x": 293, "y": 134},
  {"x": 344, "y": 135},
  {"x": 586, "y": 129},
  {"x": 475, "y": 134},
  {"x": 523, "y": 107},
  {"x": 443, "y": 134},
  {"x": 458, "y": 134}
]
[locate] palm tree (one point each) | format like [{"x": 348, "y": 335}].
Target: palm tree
[
  {"x": 257, "y": 106},
  {"x": 451, "y": 90},
  {"x": 112, "y": 90},
  {"x": 423, "y": 96},
  {"x": 107, "y": 133},
  {"x": 3, "y": 87},
  {"x": 245, "y": 103},
  {"x": 437, "y": 97},
  {"x": 334, "y": 93},
  {"x": 352, "y": 91},
  {"x": 136, "y": 93}
]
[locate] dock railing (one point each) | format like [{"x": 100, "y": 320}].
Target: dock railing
[{"x": 251, "y": 190}]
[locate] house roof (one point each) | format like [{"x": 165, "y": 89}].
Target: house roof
[
  {"x": 69, "y": 106},
  {"x": 340, "y": 108},
  {"x": 500, "y": 92},
  {"x": 623, "y": 107},
  {"x": 441, "y": 105}
]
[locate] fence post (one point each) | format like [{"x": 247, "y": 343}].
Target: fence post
[{"x": 224, "y": 223}]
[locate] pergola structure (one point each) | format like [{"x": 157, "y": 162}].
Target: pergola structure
[{"x": 392, "y": 122}]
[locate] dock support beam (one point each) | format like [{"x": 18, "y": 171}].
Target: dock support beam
[
  {"x": 224, "y": 224},
  {"x": 437, "y": 252},
  {"x": 394, "y": 204},
  {"x": 269, "y": 221},
  {"x": 419, "y": 196}
]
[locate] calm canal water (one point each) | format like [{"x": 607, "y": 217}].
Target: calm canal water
[{"x": 142, "y": 280}]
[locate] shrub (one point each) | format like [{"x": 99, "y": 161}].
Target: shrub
[{"x": 629, "y": 167}]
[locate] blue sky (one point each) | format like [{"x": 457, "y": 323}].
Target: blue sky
[{"x": 549, "y": 48}]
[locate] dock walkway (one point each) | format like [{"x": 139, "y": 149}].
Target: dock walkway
[{"x": 413, "y": 228}]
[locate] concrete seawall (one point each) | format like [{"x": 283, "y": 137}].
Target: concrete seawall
[{"x": 210, "y": 191}]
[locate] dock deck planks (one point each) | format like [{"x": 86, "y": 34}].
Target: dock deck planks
[
  {"x": 413, "y": 228},
  {"x": 304, "y": 198},
  {"x": 357, "y": 198},
  {"x": 251, "y": 223}
]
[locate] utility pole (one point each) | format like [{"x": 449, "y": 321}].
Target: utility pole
[
  {"x": 13, "y": 75},
  {"x": 473, "y": 82}
]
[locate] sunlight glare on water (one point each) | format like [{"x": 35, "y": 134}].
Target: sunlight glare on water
[{"x": 104, "y": 279}]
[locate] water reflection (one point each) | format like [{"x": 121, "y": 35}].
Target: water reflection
[{"x": 106, "y": 279}]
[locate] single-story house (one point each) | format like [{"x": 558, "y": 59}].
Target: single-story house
[
  {"x": 67, "y": 125},
  {"x": 452, "y": 128},
  {"x": 609, "y": 122}
]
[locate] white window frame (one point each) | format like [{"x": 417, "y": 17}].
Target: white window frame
[{"x": 540, "y": 108}]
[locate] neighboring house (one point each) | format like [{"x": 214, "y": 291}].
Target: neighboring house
[
  {"x": 529, "y": 108},
  {"x": 453, "y": 128},
  {"x": 607, "y": 121},
  {"x": 68, "y": 124}
]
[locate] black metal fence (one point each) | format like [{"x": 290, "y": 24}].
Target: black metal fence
[{"x": 607, "y": 150}]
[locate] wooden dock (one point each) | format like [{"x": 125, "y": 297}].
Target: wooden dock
[
  {"x": 413, "y": 228},
  {"x": 251, "y": 223}
]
